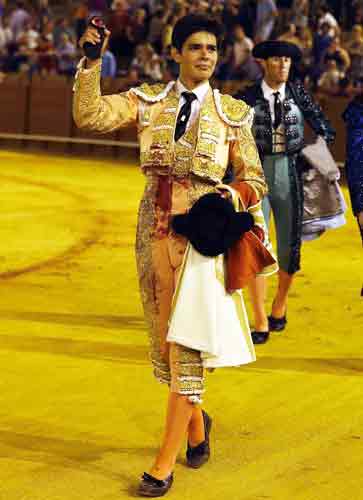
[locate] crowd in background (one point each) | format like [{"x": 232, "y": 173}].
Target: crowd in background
[{"x": 41, "y": 36}]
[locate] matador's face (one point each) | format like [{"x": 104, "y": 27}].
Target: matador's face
[
  {"x": 277, "y": 69},
  {"x": 197, "y": 58}
]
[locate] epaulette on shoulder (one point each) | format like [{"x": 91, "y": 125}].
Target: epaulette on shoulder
[
  {"x": 153, "y": 93},
  {"x": 233, "y": 111}
]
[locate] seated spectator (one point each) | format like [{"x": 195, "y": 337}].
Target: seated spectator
[
  {"x": 300, "y": 13},
  {"x": 266, "y": 16},
  {"x": 147, "y": 63},
  {"x": 291, "y": 36},
  {"x": 336, "y": 52},
  {"x": 354, "y": 47},
  {"x": 321, "y": 42},
  {"x": 109, "y": 65},
  {"x": 156, "y": 27},
  {"x": 136, "y": 29},
  {"x": 116, "y": 23},
  {"x": 48, "y": 31},
  {"x": 6, "y": 35},
  {"x": 44, "y": 14},
  {"x": 328, "y": 83},
  {"x": 80, "y": 16},
  {"x": 241, "y": 47},
  {"x": 66, "y": 55},
  {"x": 326, "y": 17},
  {"x": 18, "y": 17},
  {"x": 16, "y": 59},
  {"x": 62, "y": 27},
  {"x": 29, "y": 36},
  {"x": 46, "y": 59}
]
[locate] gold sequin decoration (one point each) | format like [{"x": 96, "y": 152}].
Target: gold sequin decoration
[{"x": 235, "y": 110}]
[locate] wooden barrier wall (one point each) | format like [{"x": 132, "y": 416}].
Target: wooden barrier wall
[{"x": 42, "y": 107}]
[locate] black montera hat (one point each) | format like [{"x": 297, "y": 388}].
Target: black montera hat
[
  {"x": 276, "y": 48},
  {"x": 212, "y": 224}
]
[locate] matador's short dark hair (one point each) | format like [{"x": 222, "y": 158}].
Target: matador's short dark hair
[{"x": 192, "y": 23}]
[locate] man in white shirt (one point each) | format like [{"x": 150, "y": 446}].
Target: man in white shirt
[
  {"x": 281, "y": 109},
  {"x": 188, "y": 135}
]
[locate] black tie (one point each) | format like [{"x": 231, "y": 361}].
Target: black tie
[
  {"x": 184, "y": 114},
  {"x": 278, "y": 110}
]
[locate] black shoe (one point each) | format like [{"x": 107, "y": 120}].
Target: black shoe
[
  {"x": 276, "y": 324},
  {"x": 151, "y": 487},
  {"x": 259, "y": 337},
  {"x": 199, "y": 455}
]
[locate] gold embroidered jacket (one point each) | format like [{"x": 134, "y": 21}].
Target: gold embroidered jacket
[{"x": 222, "y": 135}]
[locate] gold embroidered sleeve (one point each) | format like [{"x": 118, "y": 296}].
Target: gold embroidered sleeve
[
  {"x": 98, "y": 113},
  {"x": 246, "y": 161}
]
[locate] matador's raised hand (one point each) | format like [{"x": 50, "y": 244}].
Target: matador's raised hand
[{"x": 93, "y": 36}]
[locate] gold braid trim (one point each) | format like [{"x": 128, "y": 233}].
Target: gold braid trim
[
  {"x": 153, "y": 93},
  {"x": 232, "y": 111}
]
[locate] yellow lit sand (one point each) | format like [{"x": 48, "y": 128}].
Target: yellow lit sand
[{"x": 80, "y": 413}]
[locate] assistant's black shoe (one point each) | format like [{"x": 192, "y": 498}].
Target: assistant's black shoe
[
  {"x": 151, "y": 487},
  {"x": 199, "y": 455},
  {"x": 259, "y": 337},
  {"x": 276, "y": 324}
]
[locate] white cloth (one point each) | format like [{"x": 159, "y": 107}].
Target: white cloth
[
  {"x": 206, "y": 318},
  {"x": 200, "y": 91}
]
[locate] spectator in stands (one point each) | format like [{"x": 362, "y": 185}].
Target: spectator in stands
[
  {"x": 48, "y": 31},
  {"x": 18, "y": 17},
  {"x": 66, "y": 55},
  {"x": 6, "y": 35},
  {"x": 300, "y": 13},
  {"x": 230, "y": 17},
  {"x": 291, "y": 36},
  {"x": 147, "y": 63},
  {"x": 109, "y": 65},
  {"x": 2, "y": 9},
  {"x": 284, "y": 18},
  {"x": 326, "y": 17},
  {"x": 247, "y": 16},
  {"x": 137, "y": 29},
  {"x": 336, "y": 52},
  {"x": 46, "y": 57},
  {"x": 156, "y": 27},
  {"x": 62, "y": 27},
  {"x": 322, "y": 41},
  {"x": 357, "y": 15},
  {"x": 242, "y": 46},
  {"x": 116, "y": 23},
  {"x": 80, "y": 16},
  {"x": 328, "y": 83},
  {"x": 354, "y": 47},
  {"x": 29, "y": 36},
  {"x": 265, "y": 19},
  {"x": 16, "y": 59},
  {"x": 168, "y": 30},
  {"x": 44, "y": 14}
]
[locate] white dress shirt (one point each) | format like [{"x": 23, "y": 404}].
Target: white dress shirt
[
  {"x": 268, "y": 93},
  {"x": 200, "y": 91},
  {"x": 278, "y": 136}
]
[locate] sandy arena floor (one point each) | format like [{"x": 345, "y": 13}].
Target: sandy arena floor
[{"x": 80, "y": 413}]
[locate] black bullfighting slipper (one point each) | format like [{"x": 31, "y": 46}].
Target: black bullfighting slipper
[
  {"x": 199, "y": 455},
  {"x": 259, "y": 337},
  {"x": 151, "y": 487},
  {"x": 276, "y": 324}
]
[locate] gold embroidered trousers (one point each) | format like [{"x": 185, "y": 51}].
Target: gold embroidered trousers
[{"x": 159, "y": 255}]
